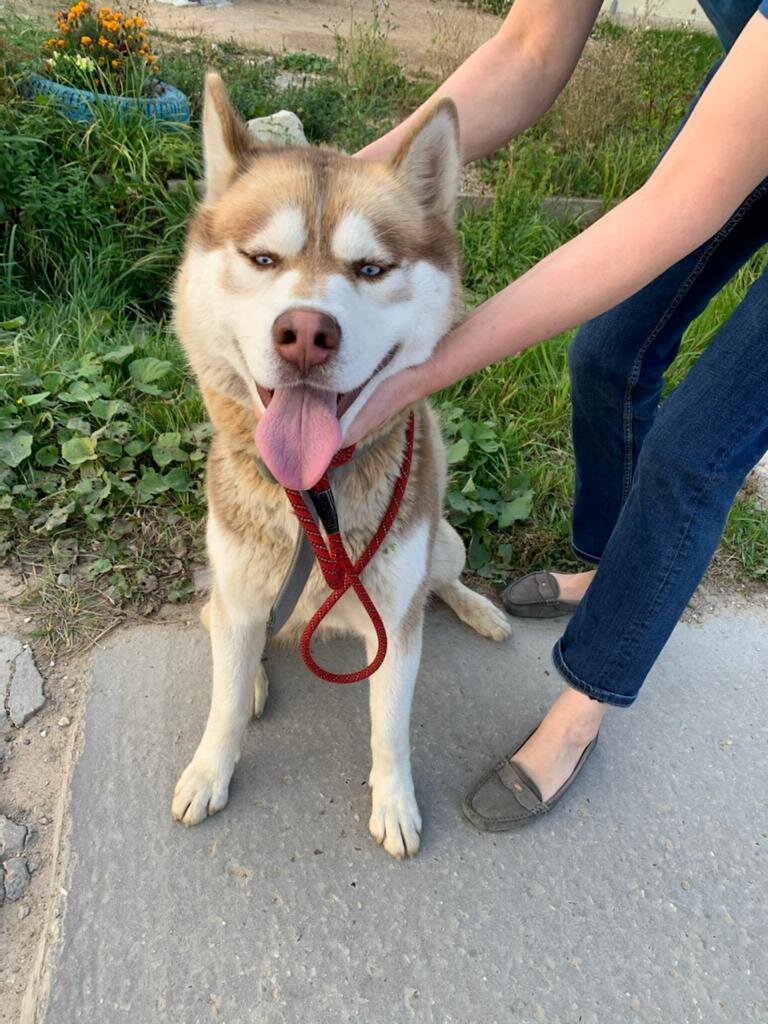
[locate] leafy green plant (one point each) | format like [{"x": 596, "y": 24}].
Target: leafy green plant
[
  {"x": 70, "y": 451},
  {"x": 314, "y": 63},
  {"x": 480, "y": 507}
]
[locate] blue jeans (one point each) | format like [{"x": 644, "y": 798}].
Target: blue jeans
[{"x": 654, "y": 484}]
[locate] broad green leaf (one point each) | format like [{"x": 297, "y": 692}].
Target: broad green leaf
[
  {"x": 79, "y": 425},
  {"x": 458, "y": 451},
  {"x": 80, "y": 392},
  {"x": 99, "y": 567},
  {"x": 178, "y": 479},
  {"x": 461, "y": 503},
  {"x": 111, "y": 449},
  {"x": 77, "y": 450},
  {"x": 12, "y": 325},
  {"x": 47, "y": 456},
  {"x": 151, "y": 484},
  {"x": 484, "y": 432},
  {"x": 518, "y": 508},
  {"x": 136, "y": 447},
  {"x": 167, "y": 449},
  {"x": 30, "y": 400},
  {"x": 104, "y": 409},
  {"x": 14, "y": 448},
  {"x": 119, "y": 355},
  {"x": 477, "y": 553},
  {"x": 149, "y": 370}
]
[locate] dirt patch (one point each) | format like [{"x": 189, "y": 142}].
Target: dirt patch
[{"x": 417, "y": 28}]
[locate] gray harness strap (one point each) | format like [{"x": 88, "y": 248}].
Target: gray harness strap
[{"x": 295, "y": 580}]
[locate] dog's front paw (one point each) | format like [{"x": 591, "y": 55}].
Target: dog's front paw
[
  {"x": 395, "y": 820},
  {"x": 202, "y": 789}
]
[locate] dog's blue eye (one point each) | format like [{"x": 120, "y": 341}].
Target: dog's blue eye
[
  {"x": 262, "y": 260},
  {"x": 370, "y": 270}
]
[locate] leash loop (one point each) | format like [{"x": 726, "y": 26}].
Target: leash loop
[{"x": 339, "y": 572}]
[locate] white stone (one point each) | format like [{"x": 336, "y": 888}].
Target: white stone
[{"x": 281, "y": 129}]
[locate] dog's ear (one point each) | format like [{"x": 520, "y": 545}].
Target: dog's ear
[
  {"x": 227, "y": 146},
  {"x": 429, "y": 161}
]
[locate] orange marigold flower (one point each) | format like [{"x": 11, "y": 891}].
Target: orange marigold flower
[
  {"x": 85, "y": 40},
  {"x": 115, "y": 64},
  {"x": 61, "y": 44},
  {"x": 103, "y": 41}
]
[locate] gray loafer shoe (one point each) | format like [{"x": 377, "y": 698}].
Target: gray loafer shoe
[
  {"x": 506, "y": 797},
  {"x": 536, "y": 596}
]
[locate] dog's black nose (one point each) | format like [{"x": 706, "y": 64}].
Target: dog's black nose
[{"x": 306, "y": 337}]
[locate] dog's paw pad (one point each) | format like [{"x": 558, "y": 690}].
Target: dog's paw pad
[
  {"x": 395, "y": 824},
  {"x": 202, "y": 790}
]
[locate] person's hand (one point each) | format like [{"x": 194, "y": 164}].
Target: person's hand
[{"x": 386, "y": 401}]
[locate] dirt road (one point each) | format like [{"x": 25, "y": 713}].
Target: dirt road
[{"x": 309, "y": 25}]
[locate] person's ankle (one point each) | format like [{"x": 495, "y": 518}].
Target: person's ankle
[
  {"x": 581, "y": 715},
  {"x": 574, "y": 585}
]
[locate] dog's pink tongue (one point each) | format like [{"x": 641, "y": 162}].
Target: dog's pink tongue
[{"x": 298, "y": 435}]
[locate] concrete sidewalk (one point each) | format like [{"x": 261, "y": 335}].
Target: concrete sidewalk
[{"x": 642, "y": 898}]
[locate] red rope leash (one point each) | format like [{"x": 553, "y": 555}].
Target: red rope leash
[{"x": 339, "y": 572}]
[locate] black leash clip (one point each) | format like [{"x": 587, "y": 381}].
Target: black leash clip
[{"x": 325, "y": 506}]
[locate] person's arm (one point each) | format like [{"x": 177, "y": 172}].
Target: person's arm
[
  {"x": 718, "y": 158},
  {"x": 511, "y": 80}
]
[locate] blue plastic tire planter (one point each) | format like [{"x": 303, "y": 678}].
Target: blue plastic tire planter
[{"x": 78, "y": 104}]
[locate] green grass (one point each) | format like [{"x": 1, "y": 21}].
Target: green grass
[{"x": 102, "y": 432}]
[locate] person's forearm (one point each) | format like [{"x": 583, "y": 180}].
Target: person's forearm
[
  {"x": 717, "y": 160},
  {"x": 720, "y": 156},
  {"x": 511, "y": 80}
]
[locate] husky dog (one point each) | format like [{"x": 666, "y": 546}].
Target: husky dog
[{"x": 308, "y": 277}]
